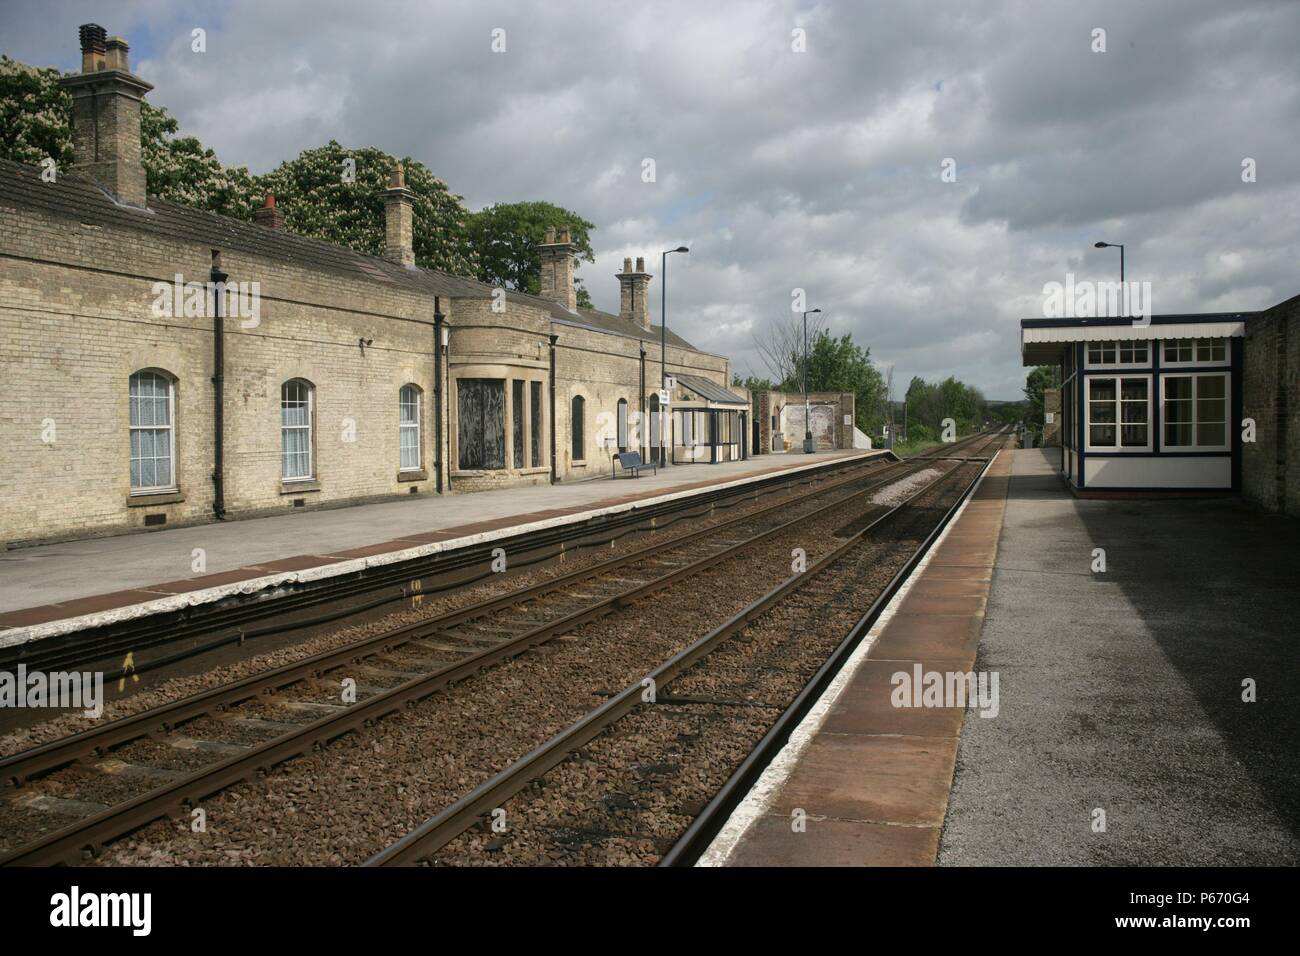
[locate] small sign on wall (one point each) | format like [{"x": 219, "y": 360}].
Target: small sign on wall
[
  {"x": 1049, "y": 417},
  {"x": 848, "y": 419}
]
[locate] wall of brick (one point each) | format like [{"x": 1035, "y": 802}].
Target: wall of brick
[
  {"x": 1270, "y": 474},
  {"x": 76, "y": 320}
]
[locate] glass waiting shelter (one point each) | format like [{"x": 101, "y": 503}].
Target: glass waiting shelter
[{"x": 709, "y": 422}]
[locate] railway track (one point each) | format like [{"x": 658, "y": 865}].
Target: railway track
[
  {"x": 391, "y": 670},
  {"x": 828, "y": 586}
]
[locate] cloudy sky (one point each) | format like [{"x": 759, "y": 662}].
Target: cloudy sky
[{"x": 818, "y": 170}]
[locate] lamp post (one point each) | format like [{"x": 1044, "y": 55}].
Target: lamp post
[
  {"x": 663, "y": 349},
  {"x": 807, "y": 420},
  {"x": 1122, "y": 286}
]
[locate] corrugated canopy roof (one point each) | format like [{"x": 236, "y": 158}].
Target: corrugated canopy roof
[{"x": 1042, "y": 340}]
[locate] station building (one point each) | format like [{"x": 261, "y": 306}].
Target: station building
[
  {"x": 1198, "y": 402},
  {"x": 165, "y": 365}
]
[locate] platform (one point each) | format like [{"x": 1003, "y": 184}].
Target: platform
[
  {"x": 1118, "y": 690},
  {"x": 56, "y": 588}
]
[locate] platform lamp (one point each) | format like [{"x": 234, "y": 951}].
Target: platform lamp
[
  {"x": 1120, "y": 247},
  {"x": 807, "y": 421},
  {"x": 663, "y": 348}
]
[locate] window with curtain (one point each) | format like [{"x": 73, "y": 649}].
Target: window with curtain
[
  {"x": 622, "y": 424},
  {"x": 408, "y": 428},
  {"x": 577, "y": 425},
  {"x": 153, "y": 453},
  {"x": 295, "y": 430}
]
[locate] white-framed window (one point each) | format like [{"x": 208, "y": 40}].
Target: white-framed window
[
  {"x": 1194, "y": 352},
  {"x": 296, "y": 411},
  {"x": 152, "y": 400},
  {"x": 1123, "y": 352},
  {"x": 408, "y": 428},
  {"x": 1194, "y": 414},
  {"x": 1119, "y": 412},
  {"x": 622, "y": 424}
]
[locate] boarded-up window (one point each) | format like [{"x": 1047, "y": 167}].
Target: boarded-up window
[
  {"x": 577, "y": 426},
  {"x": 517, "y": 408},
  {"x": 535, "y": 402},
  {"x": 482, "y": 422},
  {"x": 622, "y": 424}
]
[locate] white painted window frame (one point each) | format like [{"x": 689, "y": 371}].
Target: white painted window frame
[
  {"x": 170, "y": 428},
  {"x": 310, "y": 428},
  {"x": 1196, "y": 387},
  {"x": 1195, "y": 362},
  {"x": 1106, "y": 366},
  {"x": 415, "y": 426},
  {"x": 1117, "y": 448}
]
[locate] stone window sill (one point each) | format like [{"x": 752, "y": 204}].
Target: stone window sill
[
  {"x": 578, "y": 464},
  {"x": 159, "y": 498},
  {"x": 299, "y": 487},
  {"x": 413, "y": 474}
]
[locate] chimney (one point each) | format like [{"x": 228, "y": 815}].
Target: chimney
[
  {"x": 399, "y": 220},
  {"x": 269, "y": 215},
  {"x": 633, "y": 288},
  {"x": 557, "y": 268},
  {"x": 106, "y": 98}
]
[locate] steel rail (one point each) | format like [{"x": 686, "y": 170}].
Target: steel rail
[
  {"x": 95, "y": 830},
  {"x": 697, "y": 837},
  {"x": 439, "y": 830},
  {"x": 25, "y": 765}
]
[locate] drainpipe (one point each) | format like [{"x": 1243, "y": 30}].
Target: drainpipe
[
  {"x": 553, "y": 475},
  {"x": 218, "y": 279},
  {"x": 438, "y": 319},
  {"x": 643, "y": 445}
]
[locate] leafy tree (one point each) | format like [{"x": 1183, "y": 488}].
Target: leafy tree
[
  {"x": 35, "y": 114},
  {"x": 929, "y": 403},
  {"x": 840, "y": 365},
  {"x": 36, "y": 123},
  {"x": 182, "y": 169},
  {"x": 1040, "y": 378},
  {"x": 325, "y": 197},
  {"x": 506, "y": 237}
]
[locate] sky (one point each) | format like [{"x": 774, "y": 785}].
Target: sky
[{"x": 795, "y": 145}]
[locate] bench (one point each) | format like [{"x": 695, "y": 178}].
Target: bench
[{"x": 631, "y": 461}]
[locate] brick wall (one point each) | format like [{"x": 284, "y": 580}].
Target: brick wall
[
  {"x": 76, "y": 321},
  {"x": 1270, "y": 474}
]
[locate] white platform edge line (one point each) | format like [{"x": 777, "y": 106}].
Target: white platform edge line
[
  {"x": 34, "y": 632},
  {"x": 772, "y": 781}
]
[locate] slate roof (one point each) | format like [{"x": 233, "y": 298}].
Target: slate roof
[{"x": 79, "y": 198}]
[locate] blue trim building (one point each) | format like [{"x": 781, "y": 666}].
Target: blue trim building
[{"x": 1146, "y": 406}]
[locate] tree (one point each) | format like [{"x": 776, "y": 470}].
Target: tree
[
  {"x": 781, "y": 345},
  {"x": 337, "y": 195},
  {"x": 506, "y": 238},
  {"x": 36, "y": 124},
  {"x": 1040, "y": 378},
  {"x": 35, "y": 115},
  {"x": 182, "y": 169}
]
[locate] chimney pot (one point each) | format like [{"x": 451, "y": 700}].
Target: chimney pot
[
  {"x": 115, "y": 57},
  {"x": 640, "y": 264},
  {"x": 627, "y": 264},
  {"x": 92, "y": 37},
  {"x": 269, "y": 215}
]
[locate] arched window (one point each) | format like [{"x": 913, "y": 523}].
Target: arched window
[
  {"x": 622, "y": 424},
  {"x": 152, "y": 401},
  {"x": 296, "y": 411},
  {"x": 577, "y": 424},
  {"x": 408, "y": 428}
]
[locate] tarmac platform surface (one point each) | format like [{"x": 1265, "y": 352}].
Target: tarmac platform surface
[
  {"x": 48, "y": 588},
  {"x": 1118, "y": 691}
]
